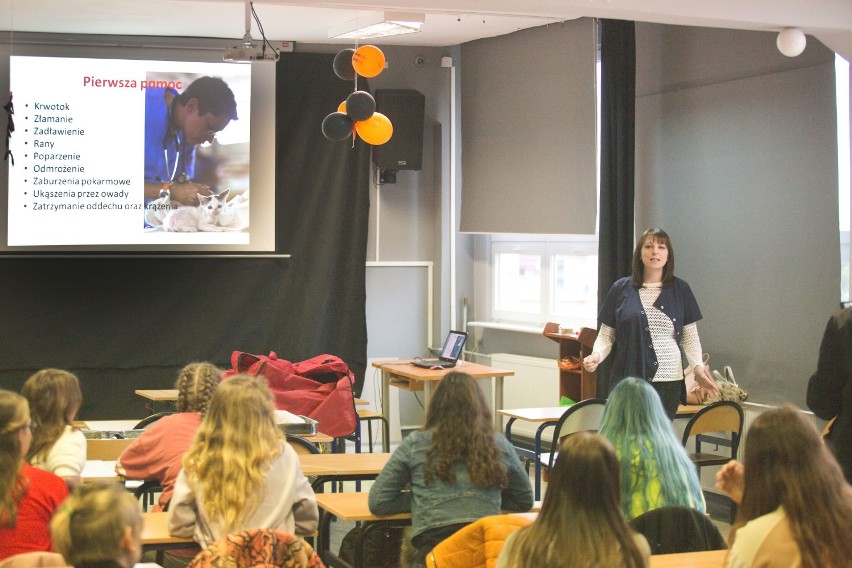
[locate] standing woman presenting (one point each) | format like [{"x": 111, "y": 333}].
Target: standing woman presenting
[{"x": 646, "y": 319}]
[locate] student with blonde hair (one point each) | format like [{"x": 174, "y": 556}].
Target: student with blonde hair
[
  {"x": 240, "y": 473},
  {"x": 57, "y": 446},
  {"x": 158, "y": 452},
  {"x": 795, "y": 507},
  {"x": 28, "y": 496},
  {"x": 580, "y": 524},
  {"x": 99, "y": 526}
]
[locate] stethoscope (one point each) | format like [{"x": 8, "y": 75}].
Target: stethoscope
[{"x": 180, "y": 152}]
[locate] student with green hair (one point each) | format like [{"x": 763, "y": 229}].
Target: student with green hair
[{"x": 656, "y": 471}]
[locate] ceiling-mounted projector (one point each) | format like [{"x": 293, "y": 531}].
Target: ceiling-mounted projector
[{"x": 249, "y": 53}]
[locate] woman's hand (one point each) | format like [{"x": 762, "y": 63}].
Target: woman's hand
[
  {"x": 731, "y": 480},
  {"x": 187, "y": 193},
  {"x": 705, "y": 381},
  {"x": 591, "y": 362}
]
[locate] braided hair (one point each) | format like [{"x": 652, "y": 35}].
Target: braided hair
[{"x": 196, "y": 384}]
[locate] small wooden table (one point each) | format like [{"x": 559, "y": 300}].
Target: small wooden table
[
  {"x": 404, "y": 375},
  {"x": 155, "y": 533},
  {"x": 703, "y": 559},
  {"x": 157, "y": 395},
  {"x": 548, "y": 417},
  {"x": 342, "y": 467}
]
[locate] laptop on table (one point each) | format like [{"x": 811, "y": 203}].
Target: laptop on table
[{"x": 450, "y": 352}]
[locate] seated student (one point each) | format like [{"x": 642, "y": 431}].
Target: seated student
[
  {"x": 58, "y": 447},
  {"x": 28, "y": 496},
  {"x": 656, "y": 470},
  {"x": 240, "y": 473},
  {"x": 457, "y": 467},
  {"x": 580, "y": 523},
  {"x": 795, "y": 506},
  {"x": 158, "y": 452},
  {"x": 99, "y": 526}
]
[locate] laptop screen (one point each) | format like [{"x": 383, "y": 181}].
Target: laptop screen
[{"x": 453, "y": 345}]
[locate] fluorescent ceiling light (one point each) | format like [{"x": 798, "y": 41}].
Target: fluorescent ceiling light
[{"x": 378, "y": 24}]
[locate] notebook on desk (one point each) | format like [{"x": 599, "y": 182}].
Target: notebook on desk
[{"x": 450, "y": 352}]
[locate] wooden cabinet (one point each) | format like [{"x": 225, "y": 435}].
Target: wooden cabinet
[{"x": 576, "y": 384}]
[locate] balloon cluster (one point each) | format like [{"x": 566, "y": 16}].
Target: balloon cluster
[{"x": 357, "y": 114}]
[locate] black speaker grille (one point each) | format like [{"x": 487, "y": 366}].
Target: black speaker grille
[{"x": 405, "y": 108}]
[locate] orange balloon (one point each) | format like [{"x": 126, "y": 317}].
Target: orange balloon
[
  {"x": 368, "y": 60},
  {"x": 376, "y": 130},
  {"x": 341, "y": 107}
]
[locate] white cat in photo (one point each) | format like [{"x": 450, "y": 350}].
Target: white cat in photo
[{"x": 204, "y": 217}]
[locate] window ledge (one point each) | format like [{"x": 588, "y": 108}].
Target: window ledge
[{"x": 529, "y": 328}]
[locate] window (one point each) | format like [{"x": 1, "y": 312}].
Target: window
[{"x": 537, "y": 279}]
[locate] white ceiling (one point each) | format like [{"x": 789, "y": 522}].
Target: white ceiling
[{"x": 448, "y": 22}]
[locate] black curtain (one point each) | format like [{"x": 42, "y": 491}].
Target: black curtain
[
  {"x": 130, "y": 322},
  {"x": 322, "y": 214},
  {"x": 618, "y": 114}
]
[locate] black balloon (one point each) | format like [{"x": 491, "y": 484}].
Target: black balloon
[
  {"x": 360, "y": 105},
  {"x": 343, "y": 64},
  {"x": 337, "y": 126}
]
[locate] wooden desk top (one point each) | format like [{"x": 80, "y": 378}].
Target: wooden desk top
[
  {"x": 156, "y": 530},
  {"x": 111, "y": 425},
  {"x": 705, "y": 559},
  {"x": 158, "y": 395},
  {"x": 343, "y": 464},
  {"x": 409, "y": 371},
  {"x": 687, "y": 410},
  {"x": 353, "y": 507},
  {"x": 543, "y": 414}
]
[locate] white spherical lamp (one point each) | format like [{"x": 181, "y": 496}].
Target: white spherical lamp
[{"x": 791, "y": 41}]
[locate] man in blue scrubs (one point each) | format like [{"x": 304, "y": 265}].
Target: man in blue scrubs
[{"x": 175, "y": 123}]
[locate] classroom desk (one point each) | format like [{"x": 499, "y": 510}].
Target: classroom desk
[
  {"x": 342, "y": 467},
  {"x": 155, "y": 533},
  {"x": 547, "y": 417},
  {"x": 110, "y": 425},
  {"x": 404, "y": 375},
  {"x": 704, "y": 559},
  {"x": 157, "y": 395},
  {"x": 354, "y": 507}
]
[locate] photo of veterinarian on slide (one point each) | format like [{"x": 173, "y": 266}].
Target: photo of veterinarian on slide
[{"x": 176, "y": 123}]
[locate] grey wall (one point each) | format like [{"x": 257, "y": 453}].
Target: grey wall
[{"x": 737, "y": 160}]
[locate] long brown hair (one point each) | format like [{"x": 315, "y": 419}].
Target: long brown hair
[
  {"x": 55, "y": 397},
  {"x": 196, "y": 384},
  {"x": 659, "y": 236},
  {"x": 462, "y": 430},
  {"x": 580, "y": 524},
  {"x": 13, "y": 417},
  {"x": 787, "y": 464}
]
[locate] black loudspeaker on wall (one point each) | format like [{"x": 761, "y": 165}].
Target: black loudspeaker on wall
[{"x": 405, "y": 108}]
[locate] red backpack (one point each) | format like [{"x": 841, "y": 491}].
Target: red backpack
[{"x": 319, "y": 387}]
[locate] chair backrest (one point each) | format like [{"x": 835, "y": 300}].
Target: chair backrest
[
  {"x": 584, "y": 416},
  {"x": 722, "y": 416},
  {"x": 34, "y": 560},
  {"x": 258, "y": 547},
  {"x": 302, "y": 446},
  {"x": 148, "y": 420},
  {"x": 106, "y": 449},
  {"x": 674, "y": 529}
]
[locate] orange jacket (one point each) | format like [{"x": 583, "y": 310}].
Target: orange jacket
[{"x": 477, "y": 545}]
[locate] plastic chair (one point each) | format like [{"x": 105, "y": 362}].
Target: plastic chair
[
  {"x": 720, "y": 417},
  {"x": 584, "y": 416},
  {"x": 725, "y": 417},
  {"x": 674, "y": 529},
  {"x": 148, "y": 420},
  {"x": 302, "y": 446}
]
